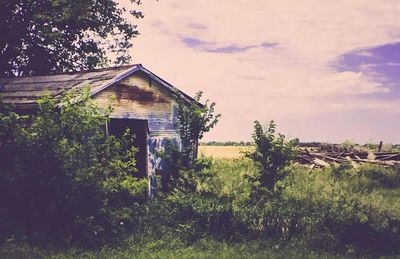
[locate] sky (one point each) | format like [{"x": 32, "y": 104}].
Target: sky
[{"x": 325, "y": 71}]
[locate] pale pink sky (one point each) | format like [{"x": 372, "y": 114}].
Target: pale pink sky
[{"x": 323, "y": 70}]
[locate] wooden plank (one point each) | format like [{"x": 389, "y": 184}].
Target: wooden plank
[
  {"x": 337, "y": 159},
  {"x": 378, "y": 162},
  {"x": 391, "y": 157},
  {"x": 320, "y": 162},
  {"x": 56, "y": 81},
  {"x": 353, "y": 164},
  {"x": 30, "y": 94},
  {"x": 41, "y": 86},
  {"x": 78, "y": 76}
]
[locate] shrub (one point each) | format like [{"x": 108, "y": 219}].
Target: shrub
[
  {"x": 194, "y": 121},
  {"x": 62, "y": 179},
  {"x": 181, "y": 164},
  {"x": 177, "y": 174},
  {"x": 272, "y": 154}
]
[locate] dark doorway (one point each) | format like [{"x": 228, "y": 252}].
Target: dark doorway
[{"x": 139, "y": 128}]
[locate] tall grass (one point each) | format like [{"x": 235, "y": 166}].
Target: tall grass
[
  {"x": 167, "y": 248},
  {"x": 230, "y": 176},
  {"x": 312, "y": 213}
]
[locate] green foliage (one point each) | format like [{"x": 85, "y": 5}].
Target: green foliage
[
  {"x": 369, "y": 176},
  {"x": 174, "y": 247},
  {"x": 83, "y": 179},
  {"x": 182, "y": 168},
  {"x": 62, "y": 178},
  {"x": 194, "y": 121},
  {"x": 192, "y": 215},
  {"x": 334, "y": 212},
  {"x": 49, "y": 36},
  {"x": 272, "y": 153},
  {"x": 177, "y": 173},
  {"x": 229, "y": 177},
  {"x": 338, "y": 209}
]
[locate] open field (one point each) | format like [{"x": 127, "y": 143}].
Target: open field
[{"x": 224, "y": 151}]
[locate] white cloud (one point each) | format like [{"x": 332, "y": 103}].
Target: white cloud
[{"x": 295, "y": 77}]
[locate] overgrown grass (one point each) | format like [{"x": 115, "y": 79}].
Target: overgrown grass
[
  {"x": 391, "y": 197},
  {"x": 167, "y": 248},
  {"x": 230, "y": 176},
  {"x": 332, "y": 212},
  {"x": 336, "y": 209}
]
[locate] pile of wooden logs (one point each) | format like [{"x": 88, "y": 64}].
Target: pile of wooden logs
[{"x": 324, "y": 159}]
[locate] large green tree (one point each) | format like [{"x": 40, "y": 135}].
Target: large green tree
[{"x": 47, "y": 36}]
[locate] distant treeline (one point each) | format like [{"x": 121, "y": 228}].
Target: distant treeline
[
  {"x": 227, "y": 143},
  {"x": 301, "y": 144}
]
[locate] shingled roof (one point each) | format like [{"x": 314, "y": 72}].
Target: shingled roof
[{"x": 23, "y": 92}]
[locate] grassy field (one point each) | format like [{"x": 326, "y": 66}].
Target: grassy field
[
  {"x": 165, "y": 248},
  {"x": 229, "y": 181},
  {"x": 224, "y": 151}
]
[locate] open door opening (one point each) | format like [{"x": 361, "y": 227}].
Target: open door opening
[{"x": 139, "y": 128}]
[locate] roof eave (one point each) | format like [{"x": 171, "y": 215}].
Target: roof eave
[
  {"x": 116, "y": 79},
  {"x": 188, "y": 99}
]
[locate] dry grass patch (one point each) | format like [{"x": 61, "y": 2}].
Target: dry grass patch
[{"x": 224, "y": 151}]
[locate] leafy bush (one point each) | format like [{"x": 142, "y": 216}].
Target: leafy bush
[
  {"x": 194, "y": 121},
  {"x": 177, "y": 174},
  {"x": 181, "y": 165},
  {"x": 272, "y": 153},
  {"x": 62, "y": 178}
]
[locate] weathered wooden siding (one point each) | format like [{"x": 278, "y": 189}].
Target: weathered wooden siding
[{"x": 138, "y": 97}]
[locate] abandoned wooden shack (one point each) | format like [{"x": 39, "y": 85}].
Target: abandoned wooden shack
[{"x": 141, "y": 101}]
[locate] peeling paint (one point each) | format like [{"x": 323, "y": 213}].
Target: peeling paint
[
  {"x": 156, "y": 164},
  {"x": 136, "y": 98},
  {"x": 135, "y": 93}
]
